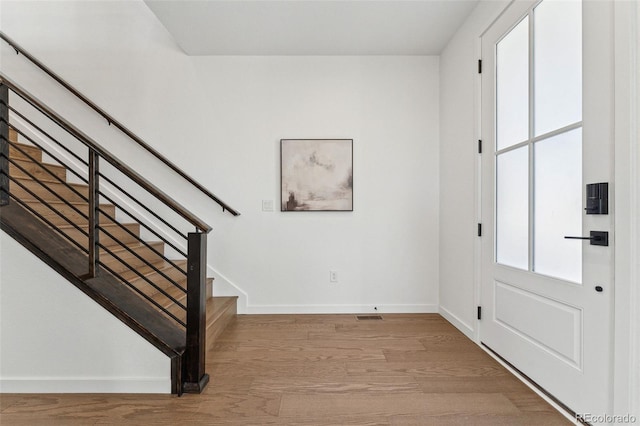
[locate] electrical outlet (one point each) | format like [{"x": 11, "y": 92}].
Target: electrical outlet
[
  {"x": 333, "y": 276},
  {"x": 267, "y": 205}
]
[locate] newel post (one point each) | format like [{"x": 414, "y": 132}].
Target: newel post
[
  {"x": 195, "y": 378},
  {"x": 4, "y": 144}
]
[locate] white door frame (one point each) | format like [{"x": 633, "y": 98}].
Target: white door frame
[
  {"x": 626, "y": 368},
  {"x": 626, "y": 346}
]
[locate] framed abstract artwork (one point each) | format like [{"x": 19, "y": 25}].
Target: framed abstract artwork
[{"x": 316, "y": 175}]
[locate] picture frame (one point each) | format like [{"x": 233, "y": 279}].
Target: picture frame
[{"x": 316, "y": 175}]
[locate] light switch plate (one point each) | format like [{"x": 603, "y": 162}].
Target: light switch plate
[{"x": 267, "y": 205}]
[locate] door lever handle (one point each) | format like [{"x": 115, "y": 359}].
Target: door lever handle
[{"x": 596, "y": 238}]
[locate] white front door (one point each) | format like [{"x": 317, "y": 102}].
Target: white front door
[{"x": 547, "y": 132}]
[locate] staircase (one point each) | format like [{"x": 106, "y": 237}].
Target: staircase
[{"x": 157, "y": 287}]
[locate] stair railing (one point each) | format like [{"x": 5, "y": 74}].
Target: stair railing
[
  {"x": 113, "y": 122},
  {"x": 102, "y": 257}
]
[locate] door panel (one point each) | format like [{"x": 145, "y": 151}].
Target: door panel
[
  {"x": 541, "y": 311},
  {"x": 515, "y": 306}
]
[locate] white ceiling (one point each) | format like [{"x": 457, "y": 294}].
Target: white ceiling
[{"x": 312, "y": 27}]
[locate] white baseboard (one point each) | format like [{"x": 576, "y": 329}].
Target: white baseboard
[
  {"x": 81, "y": 385},
  {"x": 223, "y": 286},
  {"x": 466, "y": 329},
  {"x": 341, "y": 309}
]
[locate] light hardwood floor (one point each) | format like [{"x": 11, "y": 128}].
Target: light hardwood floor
[{"x": 320, "y": 370}]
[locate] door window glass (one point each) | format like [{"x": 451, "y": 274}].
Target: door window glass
[
  {"x": 558, "y": 208},
  {"x": 557, "y": 64},
  {"x": 512, "y": 94},
  {"x": 539, "y": 141}
]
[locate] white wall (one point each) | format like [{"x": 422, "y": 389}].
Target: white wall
[
  {"x": 221, "y": 119},
  {"x": 458, "y": 168},
  {"x": 386, "y": 250},
  {"x": 53, "y": 338}
]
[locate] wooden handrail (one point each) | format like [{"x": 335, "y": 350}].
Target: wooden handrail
[
  {"x": 91, "y": 144},
  {"x": 116, "y": 123}
]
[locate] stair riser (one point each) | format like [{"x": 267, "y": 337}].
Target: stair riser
[
  {"x": 37, "y": 171},
  {"x": 130, "y": 259},
  {"x": 33, "y": 151},
  {"x": 217, "y": 327},
  {"x": 71, "y": 214},
  {"x": 120, "y": 235},
  {"x": 13, "y": 135},
  {"x": 62, "y": 191},
  {"x": 209, "y": 292}
]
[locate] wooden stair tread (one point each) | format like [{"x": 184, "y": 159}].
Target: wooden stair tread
[
  {"x": 51, "y": 212},
  {"x": 37, "y": 169},
  {"x": 106, "y": 232},
  {"x": 33, "y": 151},
  {"x": 49, "y": 191},
  {"x": 79, "y": 186},
  {"x": 175, "y": 278},
  {"x": 73, "y": 203},
  {"x": 176, "y": 293},
  {"x": 131, "y": 260},
  {"x": 147, "y": 270},
  {"x": 105, "y": 225},
  {"x": 135, "y": 246}
]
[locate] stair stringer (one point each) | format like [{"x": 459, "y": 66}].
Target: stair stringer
[{"x": 105, "y": 290}]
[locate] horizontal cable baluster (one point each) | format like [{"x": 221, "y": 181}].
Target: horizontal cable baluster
[
  {"x": 107, "y": 250},
  {"x": 35, "y": 126},
  {"x": 133, "y": 252},
  {"x": 141, "y": 293},
  {"x": 39, "y": 182},
  {"x": 141, "y": 275},
  {"x": 141, "y": 240},
  {"x": 50, "y": 208},
  {"x": 40, "y": 199},
  {"x": 164, "y": 293},
  {"x": 43, "y": 167},
  {"x": 48, "y": 222},
  {"x": 172, "y": 282},
  {"x": 141, "y": 222},
  {"x": 108, "y": 198},
  {"x": 60, "y": 162},
  {"x": 119, "y": 188},
  {"x": 25, "y": 205}
]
